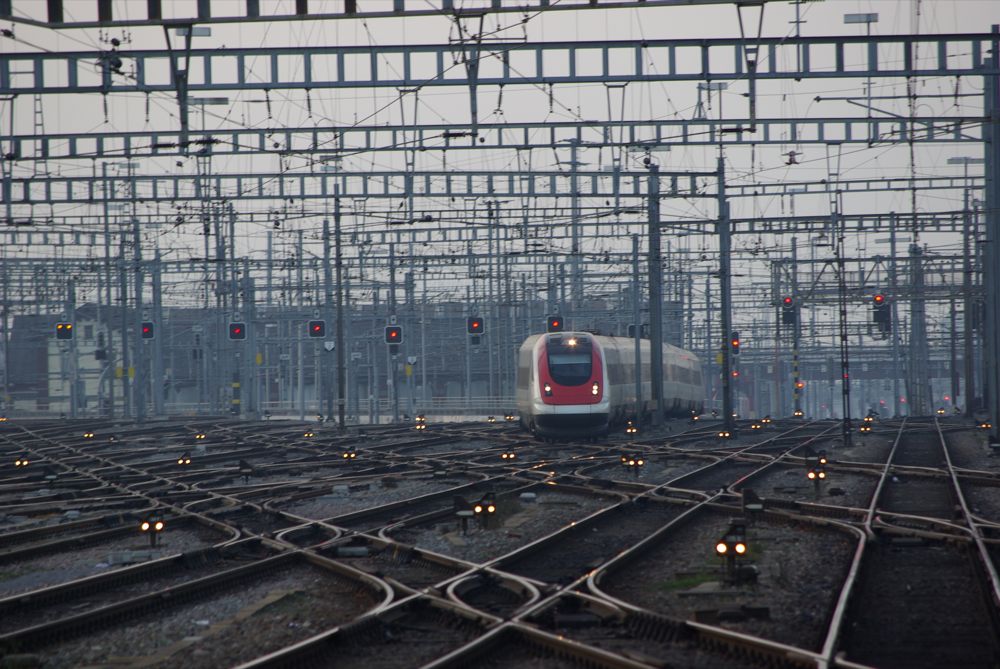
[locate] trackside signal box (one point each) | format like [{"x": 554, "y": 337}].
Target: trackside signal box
[
  {"x": 789, "y": 316},
  {"x": 554, "y": 324},
  {"x": 238, "y": 331},
  {"x": 393, "y": 334}
]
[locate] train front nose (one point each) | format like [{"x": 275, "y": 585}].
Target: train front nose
[
  {"x": 571, "y": 399},
  {"x": 570, "y": 371}
]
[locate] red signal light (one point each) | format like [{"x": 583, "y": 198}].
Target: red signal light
[
  {"x": 878, "y": 298},
  {"x": 787, "y": 301},
  {"x": 393, "y": 334}
]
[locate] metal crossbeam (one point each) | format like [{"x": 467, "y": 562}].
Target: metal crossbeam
[
  {"x": 377, "y": 184},
  {"x": 885, "y": 184},
  {"x": 456, "y": 229},
  {"x": 394, "y": 185},
  {"x": 23, "y": 11},
  {"x": 542, "y": 64},
  {"x": 332, "y": 142},
  {"x": 938, "y": 221}
]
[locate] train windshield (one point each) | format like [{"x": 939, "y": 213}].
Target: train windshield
[{"x": 570, "y": 360}]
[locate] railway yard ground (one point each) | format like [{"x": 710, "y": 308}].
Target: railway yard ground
[{"x": 211, "y": 542}]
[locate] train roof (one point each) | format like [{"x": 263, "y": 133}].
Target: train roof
[{"x": 603, "y": 340}]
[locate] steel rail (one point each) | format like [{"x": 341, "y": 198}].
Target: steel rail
[{"x": 973, "y": 526}]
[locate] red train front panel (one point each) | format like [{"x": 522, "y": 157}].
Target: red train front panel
[{"x": 570, "y": 385}]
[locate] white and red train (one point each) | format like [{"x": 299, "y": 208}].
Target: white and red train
[{"x": 582, "y": 384}]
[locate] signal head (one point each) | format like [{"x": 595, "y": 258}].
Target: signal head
[
  {"x": 64, "y": 330},
  {"x": 393, "y": 334}
]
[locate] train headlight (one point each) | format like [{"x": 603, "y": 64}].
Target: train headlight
[
  {"x": 595, "y": 389},
  {"x": 571, "y": 341},
  {"x": 145, "y": 526},
  {"x": 741, "y": 548},
  {"x": 548, "y": 390},
  {"x": 721, "y": 548}
]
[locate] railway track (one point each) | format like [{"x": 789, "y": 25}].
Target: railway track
[
  {"x": 587, "y": 563},
  {"x": 947, "y": 617}
]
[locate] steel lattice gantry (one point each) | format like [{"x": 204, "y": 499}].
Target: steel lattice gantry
[
  {"x": 507, "y": 64},
  {"x": 550, "y": 64},
  {"x": 341, "y": 141},
  {"x": 249, "y": 11}
]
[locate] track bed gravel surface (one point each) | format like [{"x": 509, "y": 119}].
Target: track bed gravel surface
[
  {"x": 226, "y": 628},
  {"x": 658, "y": 469},
  {"x": 517, "y": 525},
  {"x": 840, "y": 488},
  {"x": 682, "y": 578},
  {"x": 88, "y": 560},
  {"x": 365, "y": 495}
]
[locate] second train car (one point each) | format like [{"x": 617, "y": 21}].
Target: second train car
[{"x": 572, "y": 384}]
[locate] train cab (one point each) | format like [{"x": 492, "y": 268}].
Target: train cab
[
  {"x": 568, "y": 395},
  {"x": 579, "y": 384}
]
